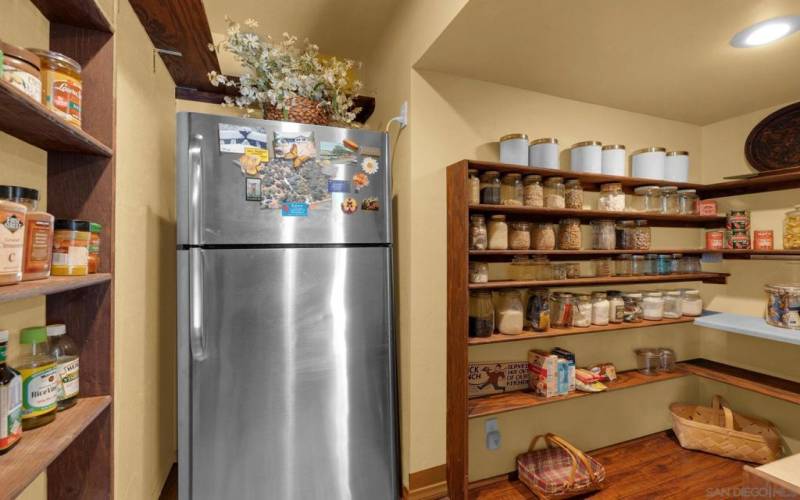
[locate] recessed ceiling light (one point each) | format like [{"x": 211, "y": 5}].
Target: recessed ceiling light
[{"x": 766, "y": 32}]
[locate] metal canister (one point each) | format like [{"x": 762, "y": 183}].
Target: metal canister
[
  {"x": 738, "y": 239},
  {"x": 538, "y": 310},
  {"x": 715, "y": 239},
  {"x": 738, "y": 220}
]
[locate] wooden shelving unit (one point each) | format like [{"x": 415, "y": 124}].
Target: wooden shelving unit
[
  {"x": 76, "y": 449},
  {"x": 716, "y": 278},
  {"x": 505, "y": 255},
  {"x": 554, "y": 214},
  {"x": 768, "y": 385}
]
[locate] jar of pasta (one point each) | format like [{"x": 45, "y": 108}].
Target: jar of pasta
[
  {"x": 532, "y": 191},
  {"x": 71, "y": 247},
  {"x": 498, "y": 233},
  {"x": 791, "y": 229},
  {"x": 569, "y": 234},
  {"x": 573, "y": 194},
  {"x": 511, "y": 190},
  {"x": 554, "y": 193},
  {"x": 61, "y": 85},
  {"x": 519, "y": 236}
]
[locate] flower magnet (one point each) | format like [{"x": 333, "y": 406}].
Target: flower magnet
[{"x": 369, "y": 165}]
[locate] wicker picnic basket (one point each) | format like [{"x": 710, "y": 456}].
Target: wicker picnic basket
[
  {"x": 560, "y": 470},
  {"x": 720, "y": 431}
]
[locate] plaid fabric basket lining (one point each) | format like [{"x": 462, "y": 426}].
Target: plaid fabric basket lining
[{"x": 547, "y": 471}]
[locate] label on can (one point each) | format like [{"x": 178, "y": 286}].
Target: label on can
[
  {"x": 707, "y": 207},
  {"x": 738, "y": 220},
  {"x": 739, "y": 240},
  {"x": 763, "y": 240},
  {"x": 715, "y": 240}
]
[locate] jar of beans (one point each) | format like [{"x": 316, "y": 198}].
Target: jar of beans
[
  {"x": 511, "y": 190},
  {"x": 573, "y": 197},
  {"x": 642, "y": 236},
  {"x": 532, "y": 191},
  {"x": 519, "y": 236},
  {"x": 544, "y": 236},
  {"x": 478, "y": 238},
  {"x": 569, "y": 234}
]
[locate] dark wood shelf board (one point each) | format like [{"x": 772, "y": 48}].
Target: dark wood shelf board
[
  {"x": 768, "y": 385},
  {"x": 505, "y": 255},
  {"x": 31, "y": 122},
  {"x": 501, "y": 403},
  {"x": 79, "y": 13},
  {"x": 716, "y": 278},
  {"x": 561, "y": 332},
  {"x": 586, "y": 216},
  {"x": 38, "y": 448},
  {"x": 49, "y": 286},
  {"x": 777, "y": 180}
]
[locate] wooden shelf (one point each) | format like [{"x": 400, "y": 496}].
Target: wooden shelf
[
  {"x": 763, "y": 182},
  {"x": 561, "y": 332},
  {"x": 49, "y": 286},
  {"x": 501, "y": 403},
  {"x": 31, "y": 122},
  {"x": 747, "y": 325},
  {"x": 504, "y": 255},
  {"x": 716, "y": 278},
  {"x": 40, "y": 447},
  {"x": 554, "y": 214},
  {"x": 768, "y": 385},
  {"x": 78, "y": 13}
]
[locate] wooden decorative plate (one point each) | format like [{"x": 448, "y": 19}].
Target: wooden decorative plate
[{"x": 774, "y": 143}]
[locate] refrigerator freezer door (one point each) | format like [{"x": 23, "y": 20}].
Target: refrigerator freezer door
[
  {"x": 294, "y": 397},
  {"x": 219, "y": 203}
]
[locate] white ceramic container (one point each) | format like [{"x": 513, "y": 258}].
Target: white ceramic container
[
  {"x": 648, "y": 163},
  {"x": 676, "y": 166},
  {"x": 586, "y": 157},
  {"x": 613, "y": 159},
  {"x": 543, "y": 153},
  {"x": 514, "y": 149}
]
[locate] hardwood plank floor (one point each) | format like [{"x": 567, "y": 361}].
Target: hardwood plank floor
[{"x": 651, "y": 467}]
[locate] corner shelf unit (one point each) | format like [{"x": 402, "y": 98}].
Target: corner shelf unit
[
  {"x": 76, "y": 449},
  {"x": 748, "y": 325},
  {"x": 460, "y": 409}
]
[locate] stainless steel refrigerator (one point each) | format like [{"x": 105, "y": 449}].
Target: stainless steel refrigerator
[{"x": 286, "y": 355}]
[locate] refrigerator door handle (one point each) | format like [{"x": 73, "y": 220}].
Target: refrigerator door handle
[
  {"x": 196, "y": 189},
  {"x": 197, "y": 337}
]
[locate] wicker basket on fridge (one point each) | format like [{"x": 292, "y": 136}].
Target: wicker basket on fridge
[{"x": 720, "y": 431}]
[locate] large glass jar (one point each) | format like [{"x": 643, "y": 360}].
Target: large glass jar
[
  {"x": 538, "y": 310},
  {"x": 478, "y": 238},
  {"x": 633, "y": 307},
  {"x": 669, "y": 200},
  {"x": 481, "y": 314},
  {"x": 647, "y": 199},
  {"x": 600, "y": 308},
  {"x": 603, "y": 267},
  {"x": 61, "y": 85},
  {"x": 676, "y": 263},
  {"x": 623, "y": 232},
  {"x": 478, "y": 272},
  {"x": 651, "y": 264},
  {"x": 573, "y": 197},
  {"x": 616, "y": 306},
  {"x": 603, "y": 234},
  {"x": 664, "y": 264},
  {"x": 642, "y": 236},
  {"x": 542, "y": 269},
  {"x": 511, "y": 190},
  {"x": 623, "y": 265},
  {"x": 510, "y": 313},
  {"x": 611, "y": 198},
  {"x": 532, "y": 191},
  {"x": 554, "y": 192},
  {"x": 559, "y": 270},
  {"x": 573, "y": 270},
  {"x": 672, "y": 304},
  {"x": 653, "y": 306},
  {"x": 582, "y": 312},
  {"x": 544, "y": 236},
  {"x": 490, "y": 188},
  {"x": 687, "y": 201},
  {"x": 473, "y": 187},
  {"x": 498, "y": 233},
  {"x": 637, "y": 265},
  {"x": 561, "y": 308},
  {"x": 689, "y": 264},
  {"x": 519, "y": 236},
  {"x": 791, "y": 229},
  {"x": 569, "y": 234},
  {"x": 691, "y": 303}
]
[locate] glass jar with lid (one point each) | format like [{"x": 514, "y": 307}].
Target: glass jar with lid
[
  {"x": 687, "y": 201},
  {"x": 478, "y": 272},
  {"x": 561, "y": 309},
  {"x": 12, "y": 236},
  {"x": 511, "y": 192},
  {"x": 669, "y": 200},
  {"x": 542, "y": 269},
  {"x": 648, "y": 360},
  {"x": 544, "y": 236},
  {"x": 558, "y": 270},
  {"x": 691, "y": 302},
  {"x": 473, "y": 186},
  {"x": 569, "y": 234},
  {"x": 520, "y": 268},
  {"x": 603, "y": 267},
  {"x": 623, "y": 265},
  {"x": 582, "y": 312},
  {"x": 651, "y": 264},
  {"x": 478, "y": 237},
  {"x": 637, "y": 265},
  {"x": 611, "y": 198},
  {"x": 653, "y": 306},
  {"x": 481, "y": 314},
  {"x": 647, "y": 199},
  {"x": 664, "y": 264},
  {"x": 791, "y": 229},
  {"x": 616, "y": 306},
  {"x": 498, "y": 232},
  {"x": 603, "y": 234},
  {"x": 573, "y": 270},
  {"x": 676, "y": 263},
  {"x": 510, "y": 313},
  {"x": 538, "y": 310},
  {"x": 490, "y": 188},
  {"x": 61, "y": 85},
  {"x": 623, "y": 232},
  {"x": 672, "y": 304},
  {"x": 632, "y": 312},
  {"x": 642, "y": 236},
  {"x": 689, "y": 264},
  {"x": 532, "y": 191},
  {"x": 600, "y": 308},
  {"x": 554, "y": 192},
  {"x": 519, "y": 236},
  {"x": 573, "y": 197}
]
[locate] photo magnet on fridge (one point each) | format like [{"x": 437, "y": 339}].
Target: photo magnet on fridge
[
  {"x": 235, "y": 138},
  {"x": 338, "y": 186},
  {"x": 252, "y": 191}
]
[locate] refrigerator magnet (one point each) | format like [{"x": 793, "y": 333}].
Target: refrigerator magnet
[
  {"x": 299, "y": 147},
  {"x": 338, "y": 186},
  {"x": 335, "y": 153},
  {"x": 369, "y": 165},
  {"x": 370, "y": 204},
  {"x": 360, "y": 181},
  {"x": 370, "y": 151},
  {"x": 252, "y": 189},
  {"x": 294, "y": 209},
  {"x": 350, "y": 144},
  {"x": 349, "y": 205},
  {"x": 235, "y": 138}
]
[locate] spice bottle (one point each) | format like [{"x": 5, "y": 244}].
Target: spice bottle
[
  {"x": 10, "y": 400},
  {"x": 12, "y": 239},
  {"x": 94, "y": 247},
  {"x": 71, "y": 247},
  {"x": 39, "y": 379},
  {"x": 65, "y": 352},
  {"x": 38, "y": 245}
]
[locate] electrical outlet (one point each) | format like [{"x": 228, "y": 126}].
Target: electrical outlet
[{"x": 492, "y": 434}]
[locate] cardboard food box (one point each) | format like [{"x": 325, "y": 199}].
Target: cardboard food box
[
  {"x": 497, "y": 376},
  {"x": 543, "y": 368}
]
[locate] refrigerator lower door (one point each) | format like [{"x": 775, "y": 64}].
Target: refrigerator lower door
[{"x": 292, "y": 375}]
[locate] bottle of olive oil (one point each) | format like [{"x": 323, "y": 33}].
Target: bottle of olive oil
[
  {"x": 10, "y": 401},
  {"x": 39, "y": 379}
]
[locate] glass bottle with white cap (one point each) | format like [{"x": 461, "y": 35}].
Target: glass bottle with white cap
[{"x": 65, "y": 351}]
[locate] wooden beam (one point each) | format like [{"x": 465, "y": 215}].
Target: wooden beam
[
  {"x": 180, "y": 26},
  {"x": 79, "y": 13}
]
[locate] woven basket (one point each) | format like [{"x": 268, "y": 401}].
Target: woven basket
[
  {"x": 301, "y": 110},
  {"x": 720, "y": 431},
  {"x": 560, "y": 470}
]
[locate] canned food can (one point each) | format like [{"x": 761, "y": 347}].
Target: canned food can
[
  {"x": 706, "y": 207},
  {"x": 715, "y": 240},
  {"x": 738, "y": 239},
  {"x": 763, "y": 240},
  {"x": 738, "y": 220}
]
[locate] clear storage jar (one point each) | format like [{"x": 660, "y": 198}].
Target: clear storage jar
[
  {"x": 478, "y": 272},
  {"x": 554, "y": 192},
  {"x": 532, "y": 191},
  {"x": 511, "y": 192},
  {"x": 664, "y": 264},
  {"x": 616, "y": 306},
  {"x": 647, "y": 199},
  {"x": 691, "y": 303},
  {"x": 611, "y": 198},
  {"x": 648, "y": 360},
  {"x": 538, "y": 310},
  {"x": 573, "y": 270},
  {"x": 633, "y": 307},
  {"x": 510, "y": 313},
  {"x": 71, "y": 247},
  {"x": 559, "y": 270},
  {"x": 573, "y": 194},
  {"x": 542, "y": 269},
  {"x": 623, "y": 232},
  {"x": 603, "y": 234},
  {"x": 600, "y": 309},
  {"x": 498, "y": 233},
  {"x": 653, "y": 306},
  {"x": 519, "y": 236},
  {"x": 623, "y": 265},
  {"x": 676, "y": 263},
  {"x": 544, "y": 236},
  {"x": 473, "y": 186},
  {"x": 689, "y": 264},
  {"x": 603, "y": 267},
  {"x": 666, "y": 359},
  {"x": 478, "y": 236},
  {"x": 687, "y": 201},
  {"x": 669, "y": 200},
  {"x": 569, "y": 234},
  {"x": 672, "y": 304},
  {"x": 481, "y": 314},
  {"x": 582, "y": 312},
  {"x": 490, "y": 188},
  {"x": 791, "y": 229},
  {"x": 637, "y": 265},
  {"x": 651, "y": 264},
  {"x": 642, "y": 236},
  {"x": 561, "y": 309}
]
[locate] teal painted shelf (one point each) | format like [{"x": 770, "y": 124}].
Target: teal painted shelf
[{"x": 747, "y": 325}]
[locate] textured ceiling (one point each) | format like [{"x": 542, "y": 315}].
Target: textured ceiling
[{"x": 668, "y": 58}]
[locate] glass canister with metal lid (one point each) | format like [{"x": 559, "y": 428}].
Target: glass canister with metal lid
[
  {"x": 647, "y": 199},
  {"x": 490, "y": 188},
  {"x": 532, "y": 191},
  {"x": 473, "y": 186},
  {"x": 573, "y": 195},
  {"x": 783, "y": 305},
  {"x": 510, "y": 314},
  {"x": 554, "y": 194},
  {"x": 62, "y": 85},
  {"x": 669, "y": 200}
]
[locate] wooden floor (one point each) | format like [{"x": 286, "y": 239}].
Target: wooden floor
[{"x": 651, "y": 467}]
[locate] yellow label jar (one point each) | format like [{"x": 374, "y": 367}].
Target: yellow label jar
[
  {"x": 71, "y": 248},
  {"x": 61, "y": 85}
]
